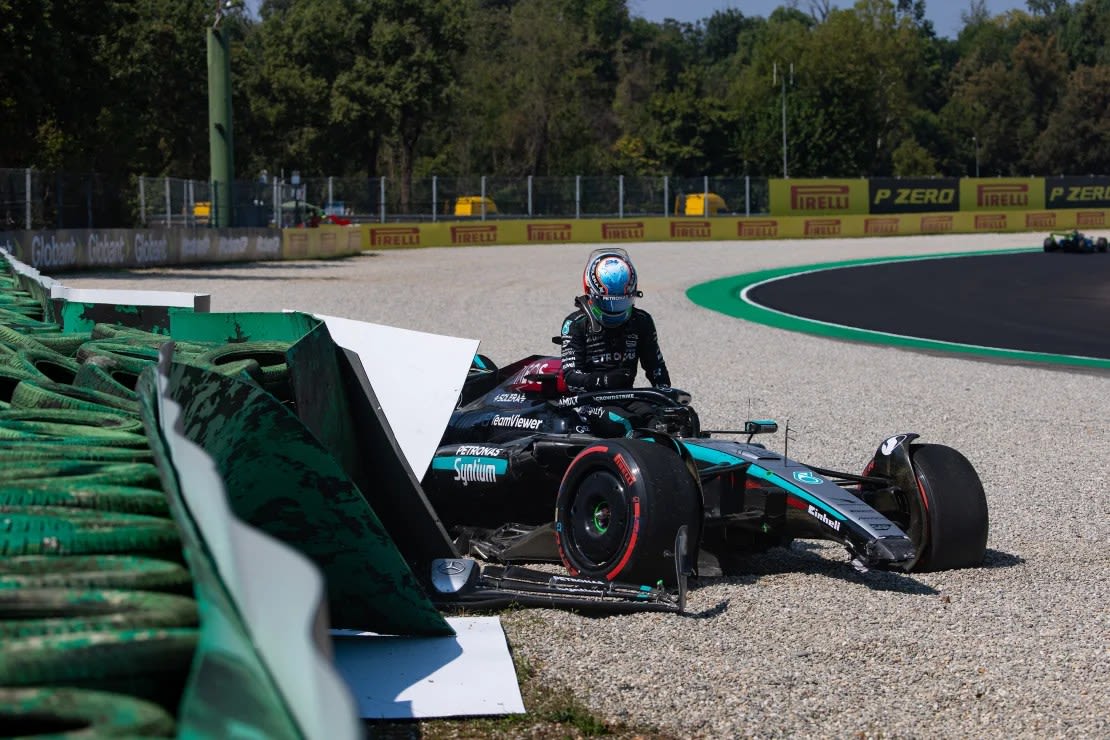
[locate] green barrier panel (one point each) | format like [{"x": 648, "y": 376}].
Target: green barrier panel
[
  {"x": 241, "y": 580},
  {"x": 335, "y": 400},
  {"x": 281, "y": 480},
  {"x": 240, "y": 327}
]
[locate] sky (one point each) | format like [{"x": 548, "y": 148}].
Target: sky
[{"x": 945, "y": 14}]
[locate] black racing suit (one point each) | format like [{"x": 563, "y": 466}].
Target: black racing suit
[{"x": 596, "y": 358}]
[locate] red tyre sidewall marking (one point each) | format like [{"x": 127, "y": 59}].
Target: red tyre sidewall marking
[{"x": 631, "y": 547}]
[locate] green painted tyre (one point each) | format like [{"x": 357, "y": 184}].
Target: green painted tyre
[
  {"x": 18, "y": 340},
  {"x": 47, "y": 364},
  {"x": 46, "y": 431},
  {"x": 270, "y": 355},
  {"x": 80, "y": 472},
  {"x": 54, "y": 530},
  {"x": 150, "y": 663},
  {"x": 45, "y": 394},
  {"x": 58, "y": 712},
  {"x": 70, "y": 448},
  {"x": 117, "y": 383},
  {"x": 99, "y": 496},
  {"x": 116, "y": 355},
  {"x": 105, "y": 420},
  {"x": 94, "y": 571},
  {"x": 64, "y": 344},
  {"x": 54, "y": 611}
]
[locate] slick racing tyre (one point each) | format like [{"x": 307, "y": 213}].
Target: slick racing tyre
[
  {"x": 947, "y": 518},
  {"x": 619, "y": 507},
  {"x": 58, "y": 712}
]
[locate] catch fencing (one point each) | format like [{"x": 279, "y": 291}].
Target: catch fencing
[{"x": 33, "y": 199}]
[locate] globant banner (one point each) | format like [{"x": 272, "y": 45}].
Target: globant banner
[{"x": 96, "y": 249}]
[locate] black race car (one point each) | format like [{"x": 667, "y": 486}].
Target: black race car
[
  {"x": 1074, "y": 241},
  {"x": 518, "y": 478}
]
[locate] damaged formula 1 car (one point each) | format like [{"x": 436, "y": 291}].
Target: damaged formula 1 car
[{"x": 518, "y": 478}]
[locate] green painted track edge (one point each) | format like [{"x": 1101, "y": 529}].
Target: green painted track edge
[{"x": 726, "y": 295}]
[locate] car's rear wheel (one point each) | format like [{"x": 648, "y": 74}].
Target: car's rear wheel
[
  {"x": 1050, "y": 244},
  {"x": 1101, "y": 244},
  {"x": 619, "y": 508},
  {"x": 946, "y": 517}
]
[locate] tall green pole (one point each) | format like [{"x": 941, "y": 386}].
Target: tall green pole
[{"x": 220, "y": 142}]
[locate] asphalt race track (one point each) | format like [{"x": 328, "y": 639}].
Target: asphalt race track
[
  {"x": 1055, "y": 303},
  {"x": 799, "y": 644}
]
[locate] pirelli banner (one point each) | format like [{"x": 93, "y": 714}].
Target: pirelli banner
[
  {"x": 722, "y": 228},
  {"x": 818, "y": 197},
  {"x": 87, "y": 249}
]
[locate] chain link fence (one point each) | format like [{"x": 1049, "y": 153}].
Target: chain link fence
[{"x": 33, "y": 199}]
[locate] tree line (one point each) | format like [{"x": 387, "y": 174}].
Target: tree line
[{"x": 414, "y": 88}]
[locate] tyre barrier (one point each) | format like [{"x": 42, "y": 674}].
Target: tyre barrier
[
  {"x": 94, "y": 593},
  {"x": 52, "y": 611},
  {"x": 94, "y": 571},
  {"x": 52, "y": 530},
  {"x": 64, "y": 712}
]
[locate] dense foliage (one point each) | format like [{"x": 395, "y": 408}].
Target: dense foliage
[{"x": 410, "y": 88}]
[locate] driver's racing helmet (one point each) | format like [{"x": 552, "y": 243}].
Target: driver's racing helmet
[{"x": 609, "y": 282}]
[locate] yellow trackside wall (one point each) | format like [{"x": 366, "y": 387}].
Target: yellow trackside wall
[{"x": 655, "y": 229}]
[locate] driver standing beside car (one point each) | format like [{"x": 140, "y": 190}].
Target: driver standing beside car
[{"x": 605, "y": 339}]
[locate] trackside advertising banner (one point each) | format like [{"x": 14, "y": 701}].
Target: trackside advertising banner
[
  {"x": 818, "y": 197},
  {"x": 1077, "y": 192},
  {"x": 722, "y": 228},
  {"x": 1002, "y": 194},
  {"x": 85, "y": 249},
  {"x": 914, "y": 195}
]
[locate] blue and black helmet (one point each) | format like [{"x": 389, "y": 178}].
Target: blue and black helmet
[{"x": 609, "y": 282}]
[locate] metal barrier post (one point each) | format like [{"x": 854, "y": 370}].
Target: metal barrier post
[
  {"x": 142, "y": 200},
  {"x": 27, "y": 195},
  {"x": 747, "y": 195},
  {"x": 331, "y": 195},
  {"x": 169, "y": 208},
  {"x": 666, "y": 195},
  {"x": 705, "y": 196},
  {"x": 620, "y": 196},
  {"x": 578, "y": 196},
  {"x": 381, "y": 205},
  {"x": 483, "y": 197},
  {"x": 435, "y": 197},
  {"x": 529, "y": 196}
]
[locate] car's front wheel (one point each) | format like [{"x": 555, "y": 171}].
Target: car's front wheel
[
  {"x": 946, "y": 517},
  {"x": 619, "y": 508}
]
